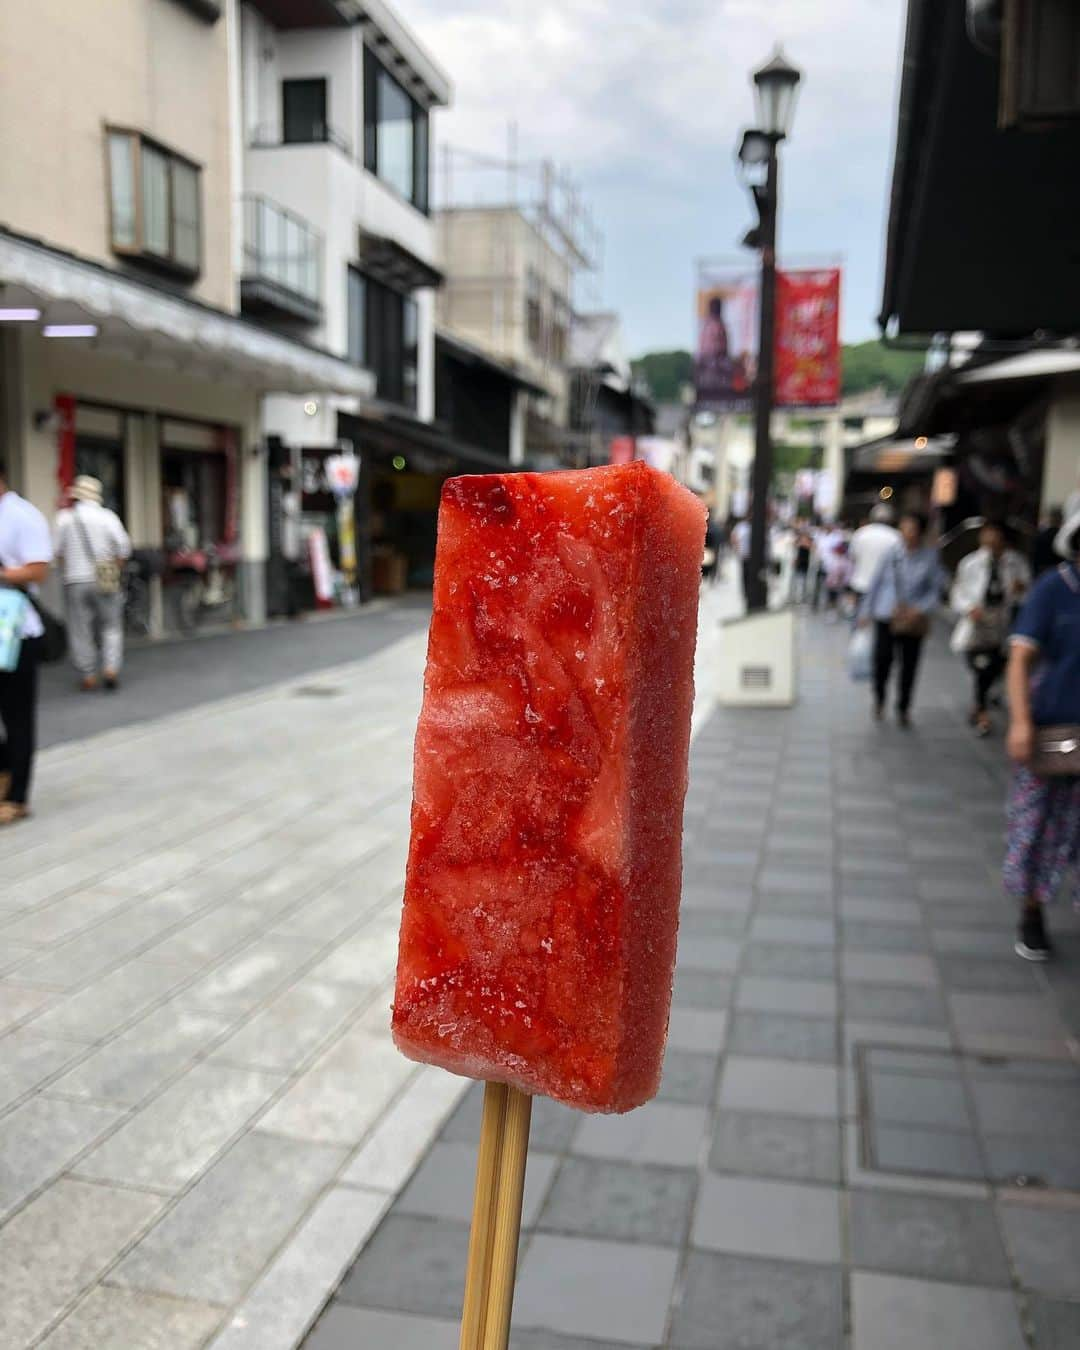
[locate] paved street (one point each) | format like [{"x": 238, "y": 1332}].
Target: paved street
[
  {"x": 203, "y": 1123},
  {"x": 866, "y": 1134}
]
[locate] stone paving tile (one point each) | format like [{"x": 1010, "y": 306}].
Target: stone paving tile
[
  {"x": 740, "y": 1303},
  {"x": 933, "y": 1100},
  {"x": 1043, "y": 1241},
  {"x": 935, "y": 1237},
  {"x": 291, "y": 1026},
  {"x": 662, "y": 1133},
  {"x": 810, "y": 998},
  {"x": 105, "y": 1006},
  {"x": 389, "y": 1153},
  {"x": 784, "y": 1036},
  {"x": 699, "y": 989},
  {"x": 782, "y": 1086},
  {"x": 1056, "y": 1325},
  {"x": 442, "y": 1186},
  {"x": 758, "y": 1144},
  {"x": 218, "y": 1237},
  {"x": 135, "y": 1063},
  {"x": 697, "y": 1029},
  {"x": 1053, "y": 1161},
  {"x": 783, "y": 959},
  {"x": 793, "y": 930},
  {"x": 83, "y": 1229},
  {"x": 622, "y": 1201},
  {"x": 583, "y": 1287},
  {"x": 343, "y": 1094},
  {"x": 716, "y": 954},
  {"x": 889, "y": 968},
  {"x": 553, "y": 1126},
  {"x": 689, "y": 1077},
  {"x": 890, "y": 1313},
  {"x": 864, "y": 935},
  {"x": 894, "y": 1003},
  {"x": 288, "y": 1296},
  {"x": 41, "y": 1137},
  {"x": 172, "y": 1139},
  {"x": 27, "y": 1060},
  {"x": 904, "y": 1148},
  {"x": 780, "y": 1220},
  {"x": 411, "y": 1264},
  {"x": 245, "y": 980},
  {"x": 346, "y": 1328},
  {"x": 54, "y": 923},
  {"x": 136, "y": 1321}
]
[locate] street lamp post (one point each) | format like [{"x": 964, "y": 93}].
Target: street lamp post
[{"x": 775, "y": 87}]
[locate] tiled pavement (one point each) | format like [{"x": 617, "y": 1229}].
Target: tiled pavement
[
  {"x": 867, "y": 1134},
  {"x": 197, "y": 933}
]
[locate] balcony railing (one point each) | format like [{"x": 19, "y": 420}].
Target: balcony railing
[
  {"x": 282, "y": 261},
  {"x": 268, "y": 136}
]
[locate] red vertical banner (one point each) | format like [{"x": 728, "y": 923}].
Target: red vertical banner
[
  {"x": 226, "y": 441},
  {"x": 808, "y": 338},
  {"x": 64, "y": 407}
]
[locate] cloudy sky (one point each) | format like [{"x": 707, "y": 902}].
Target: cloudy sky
[{"x": 643, "y": 100}]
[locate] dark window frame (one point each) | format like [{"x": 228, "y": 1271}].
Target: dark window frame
[
  {"x": 321, "y": 128},
  {"x": 390, "y": 327},
  {"x": 420, "y": 194},
  {"x": 139, "y": 250}
]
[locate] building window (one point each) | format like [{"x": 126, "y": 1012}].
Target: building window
[
  {"x": 395, "y": 134},
  {"x": 384, "y": 336},
  {"x": 560, "y": 327},
  {"x": 154, "y": 200},
  {"x": 303, "y": 111},
  {"x": 357, "y": 297},
  {"x": 534, "y": 310}
]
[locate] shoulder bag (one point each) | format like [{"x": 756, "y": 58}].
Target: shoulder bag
[
  {"x": 1057, "y": 748},
  {"x": 108, "y": 574},
  {"x": 906, "y": 621}
]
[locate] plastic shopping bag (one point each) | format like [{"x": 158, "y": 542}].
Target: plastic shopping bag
[
  {"x": 13, "y": 607},
  {"x": 860, "y": 656}
]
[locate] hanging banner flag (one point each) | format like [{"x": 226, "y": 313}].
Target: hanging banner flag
[
  {"x": 808, "y": 338},
  {"x": 725, "y": 356},
  {"x": 807, "y": 357}
]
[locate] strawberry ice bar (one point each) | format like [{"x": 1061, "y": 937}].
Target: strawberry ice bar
[{"x": 542, "y": 894}]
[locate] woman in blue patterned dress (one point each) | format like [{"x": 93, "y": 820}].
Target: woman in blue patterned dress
[{"x": 1044, "y": 690}]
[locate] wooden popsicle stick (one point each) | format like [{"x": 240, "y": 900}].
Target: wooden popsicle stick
[
  {"x": 482, "y": 1234},
  {"x": 511, "y": 1184}
]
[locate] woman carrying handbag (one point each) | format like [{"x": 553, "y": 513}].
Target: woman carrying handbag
[
  {"x": 989, "y": 586},
  {"x": 904, "y": 593},
  {"x": 1044, "y": 744}
]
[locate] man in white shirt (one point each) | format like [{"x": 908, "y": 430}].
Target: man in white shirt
[
  {"x": 25, "y": 554},
  {"x": 740, "y": 543},
  {"x": 869, "y": 545},
  {"x": 89, "y": 534}
]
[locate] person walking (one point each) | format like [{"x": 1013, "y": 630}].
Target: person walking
[
  {"x": 25, "y": 554},
  {"x": 989, "y": 586},
  {"x": 905, "y": 591},
  {"x": 92, "y": 545},
  {"x": 740, "y": 543},
  {"x": 1043, "y": 554},
  {"x": 804, "y": 553},
  {"x": 869, "y": 544},
  {"x": 1043, "y": 818}
]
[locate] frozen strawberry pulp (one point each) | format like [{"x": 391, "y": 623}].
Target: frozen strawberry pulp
[{"x": 542, "y": 893}]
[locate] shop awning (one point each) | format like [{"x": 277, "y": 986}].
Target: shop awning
[{"x": 143, "y": 322}]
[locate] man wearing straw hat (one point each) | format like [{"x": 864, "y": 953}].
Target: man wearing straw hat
[{"x": 92, "y": 544}]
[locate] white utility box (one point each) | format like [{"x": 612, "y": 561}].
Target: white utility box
[{"x": 757, "y": 660}]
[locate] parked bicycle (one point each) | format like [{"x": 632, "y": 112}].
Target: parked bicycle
[{"x": 204, "y": 587}]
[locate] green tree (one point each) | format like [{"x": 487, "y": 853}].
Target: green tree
[{"x": 865, "y": 365}]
